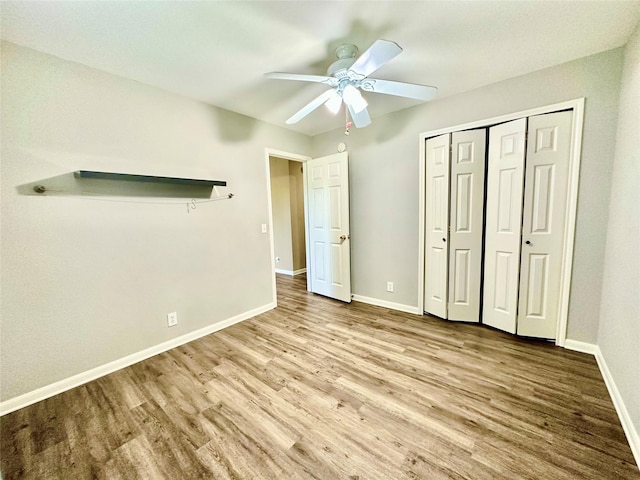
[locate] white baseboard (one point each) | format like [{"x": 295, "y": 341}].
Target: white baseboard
[
  {"x": 583, "y": 347},
  {"x": 60, "y": 386},
  {"x": 291, "y": 273},
  {"x": 383, "y": 303},
  {"x": 623, "y": 414}
]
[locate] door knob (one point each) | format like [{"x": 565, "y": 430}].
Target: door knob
[
  {"x": 444, "y": 239},
  {"x": 344, "y": 237},
  {"x": 528, "y": 242}
]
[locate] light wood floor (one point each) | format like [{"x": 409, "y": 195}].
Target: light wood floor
[{"x": 317, "y": 389}]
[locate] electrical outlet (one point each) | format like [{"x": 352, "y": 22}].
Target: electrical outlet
[
  {"x": 172, "y": 319},
  {"x": 390, "y": 287},
  {"x": 263, "y": 228}
]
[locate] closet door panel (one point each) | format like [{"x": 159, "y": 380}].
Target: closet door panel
[
  {"x": 505, "y": 178},
  {"x": 465, "y": 239},
  {"x": 437, "y": 225},
  {"x": 545, "y": 203}
]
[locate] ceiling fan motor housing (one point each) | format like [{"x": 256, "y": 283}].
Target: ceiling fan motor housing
[{"x": 346, "y": 54}]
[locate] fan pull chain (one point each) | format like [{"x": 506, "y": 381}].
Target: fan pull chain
[{"x": 347, "y": 123}]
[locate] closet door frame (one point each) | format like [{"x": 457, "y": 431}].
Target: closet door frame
[{"x": 577, "y": 105}]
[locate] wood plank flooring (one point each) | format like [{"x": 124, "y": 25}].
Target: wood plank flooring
[{"x": 317, "y": 389}]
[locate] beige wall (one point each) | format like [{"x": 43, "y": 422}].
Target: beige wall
[
  {"x": 281, "y": 212},
  {"x": 384, "y": 165},
  {"x": 619, "y": 333},
  {"x": 287, "y": 203},
  {"x": 296, "y": 190},
  {"x": 86, "y": 282}
]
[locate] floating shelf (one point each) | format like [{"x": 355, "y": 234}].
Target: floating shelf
[{"x": 148, "y": 179}]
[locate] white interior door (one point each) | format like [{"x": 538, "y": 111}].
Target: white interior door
[
  {"x": 505, "y": 178},
  {"x": 466, "y": 224},
  {"x": 545, "y": 202},
  {"x": 329, "y": 266},
  {"x": 437, "y": 225}
]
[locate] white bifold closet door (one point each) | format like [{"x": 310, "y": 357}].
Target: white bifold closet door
[
  {"x": 525, "y": 223},
  {"x": 466, "y": 225},
  {"x": 544, "y": 223},
  {"x": 437, "y": 225},
  {"x": 455, "y": 165},
  {"x": 505, "y": 182}
]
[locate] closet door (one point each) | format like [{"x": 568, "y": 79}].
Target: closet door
[
  {"x": 545, "y": 203},
  {"x": 505, "y": 177},
  {"x": 436, "y": 223},
  {"x": 466, "y": 225}
]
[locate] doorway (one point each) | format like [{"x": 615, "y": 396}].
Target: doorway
[
  {"x": 287, "y": 216},
  {"x": 287, "y": 210},
  {"x": 325, "y": 220}
]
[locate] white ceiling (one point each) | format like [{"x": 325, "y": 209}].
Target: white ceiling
[{"x": 217, "y": 52}]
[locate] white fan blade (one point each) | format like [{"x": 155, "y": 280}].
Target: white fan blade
[
  {"x": 401, "y": 89},
  {"x": 310, "y": 107},
  {"x": 303, "y": 78},
  {"x": 376, "y": 56},
  {"x": 360, "y": 119}
]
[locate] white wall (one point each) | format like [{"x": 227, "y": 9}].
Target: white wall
[
  {"x": 384, "y": 178},
  {"x": 619, "y": 333},
  {"x": 86, "y": 282}
]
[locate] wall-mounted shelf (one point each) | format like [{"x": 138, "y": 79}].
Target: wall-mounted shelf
[
  {"x": 108, "y": 184},
  {"x": 148, "y": 179}
]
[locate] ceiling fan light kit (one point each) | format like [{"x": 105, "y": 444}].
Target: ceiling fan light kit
[
  {"x": 352, "y": 96},
  {"x": 348, "y": 75},
  {"x": 334, "y": 103}
]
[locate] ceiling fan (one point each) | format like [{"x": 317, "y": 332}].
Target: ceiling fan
[{"x": 347, "y": 76}]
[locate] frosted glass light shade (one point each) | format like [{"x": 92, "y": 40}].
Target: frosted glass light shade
[
  {"x": 334, "y": 103},
  {"x": 353, "y": 97}
]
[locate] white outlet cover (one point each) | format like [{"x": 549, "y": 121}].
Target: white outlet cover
[{"x": 172, "y": 319}]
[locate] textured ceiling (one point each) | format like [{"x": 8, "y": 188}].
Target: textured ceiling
[{"x": 217, "y": 52}]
